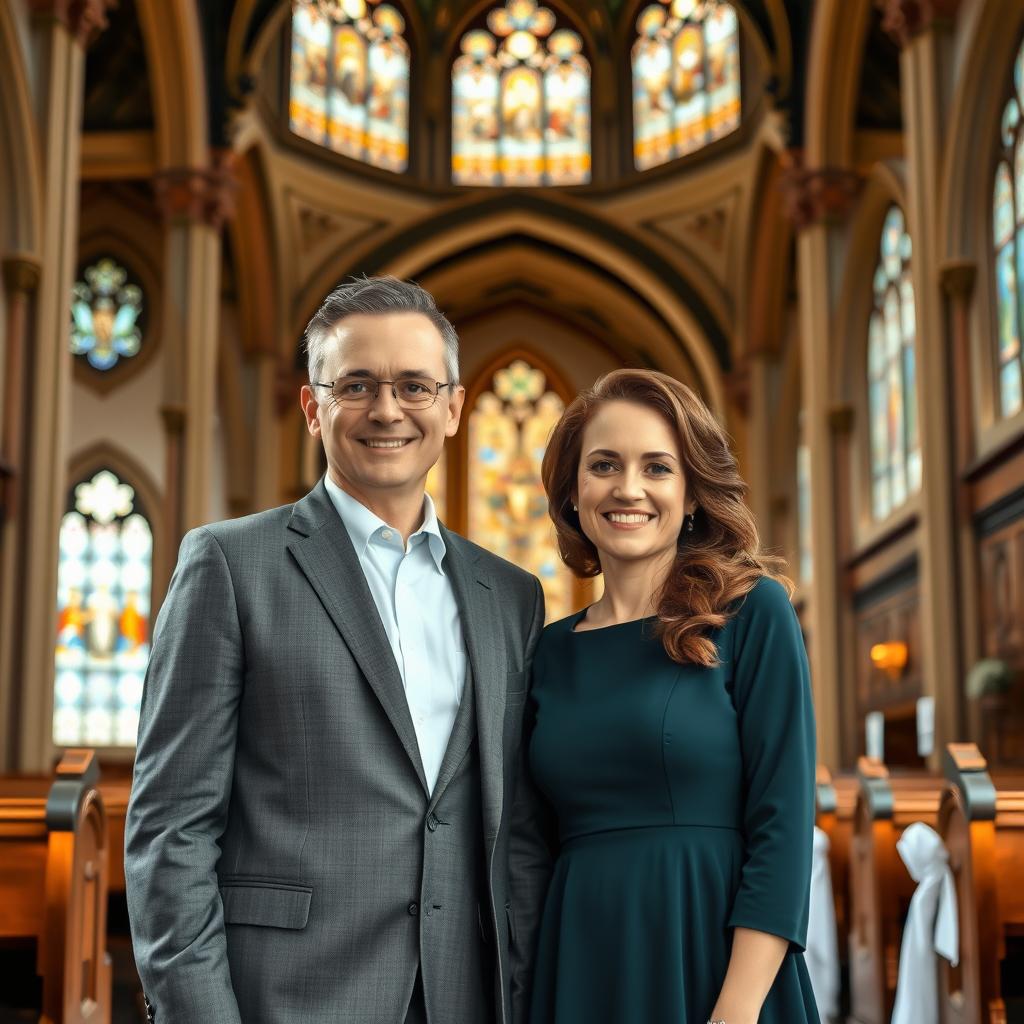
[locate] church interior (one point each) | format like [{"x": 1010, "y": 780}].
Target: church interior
[{"x": 810, "y": 211}]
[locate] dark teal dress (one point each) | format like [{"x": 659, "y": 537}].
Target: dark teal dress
[{"x": 684, "y": 799}]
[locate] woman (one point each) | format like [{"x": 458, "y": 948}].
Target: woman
[{"x": 673, "y": 732}]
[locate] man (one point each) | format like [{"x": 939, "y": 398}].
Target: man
[{"x": 329, "y": 820}]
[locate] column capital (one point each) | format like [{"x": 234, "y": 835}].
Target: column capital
[
  {"x": 20, "y": 274},
  {"x": 840, "y": 419},
  {"x": 84, "y": 19},
  {"x": 904, "y": 20},
  {"x": 957, "y": 278},
  {"x": 198, "y": 195},
  {"x": 818, "y": 195}
]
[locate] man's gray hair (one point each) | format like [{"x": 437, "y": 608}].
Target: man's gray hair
[{"x": 377, "y": 295}]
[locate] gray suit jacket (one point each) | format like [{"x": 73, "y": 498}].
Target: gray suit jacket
[{"x": 284, "y": 861}]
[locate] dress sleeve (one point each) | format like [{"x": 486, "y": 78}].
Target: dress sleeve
[{"x": 772, "y": 695}]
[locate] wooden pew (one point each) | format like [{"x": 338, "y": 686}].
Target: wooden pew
[
  {"x": 981, "y": 821},
  {"x": 836, "y": 804},
  {"x": 53, "y": 886},
  {"x": 115, "y": 794},
  {"x": 880, "y": 886}
]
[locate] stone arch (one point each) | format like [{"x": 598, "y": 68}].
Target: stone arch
[
  {"x": 835, "y": 56},
  {"x": 610, "y": 260},
  {"x": 174, "y": 49},
  {"x": 885, "y": 187}
]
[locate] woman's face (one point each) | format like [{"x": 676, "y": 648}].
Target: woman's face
[{"x": 630, "y": 486}]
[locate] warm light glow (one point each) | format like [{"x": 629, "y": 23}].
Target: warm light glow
[{"x": 890, "y": 658}]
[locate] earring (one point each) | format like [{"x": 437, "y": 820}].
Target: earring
[
  {"x": 689, "y": 521},
  {"x": 575, "y": 509}
]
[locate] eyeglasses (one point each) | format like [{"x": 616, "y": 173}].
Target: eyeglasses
[{"x": 360, "y": 392}]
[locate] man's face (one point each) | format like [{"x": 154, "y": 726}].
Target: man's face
[{"x": 383, "y": 346}]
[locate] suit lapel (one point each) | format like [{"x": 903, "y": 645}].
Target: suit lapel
[
  {"x": 480, "y": 617},
  {"x": 324, "y": 553}
]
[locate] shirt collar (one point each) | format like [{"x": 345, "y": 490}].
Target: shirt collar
[{"x": 362, "y": 524}]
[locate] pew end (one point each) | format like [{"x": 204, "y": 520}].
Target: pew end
[
  {"x": 981, "y": 821},
  {"x": 880, "y": 886},
  {"x": 53, "y": 842}
]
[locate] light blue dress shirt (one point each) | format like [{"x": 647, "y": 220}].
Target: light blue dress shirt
[{"x": 417, "y": 606}]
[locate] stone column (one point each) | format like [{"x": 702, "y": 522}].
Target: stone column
[
  {"x": 922, "y": 29},
  {"x": 818, "y": 201},
  {"x": 20, "y": 279},
  {"x": 267, "y": 425},
  {"x": 194, "y": 203},
  {"x": 61, "y": 29},
  {"x": 761, "y": 367},
  {"x": 841, "y": 424},
  {"x": 958, "y": 280}
]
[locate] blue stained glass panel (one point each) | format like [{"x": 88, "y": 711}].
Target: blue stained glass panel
[
  {"x": 891, "y": 372},
  {"x": 1008, "y": 237},
  {"x": 103, "y": 606},
  {"x": 106, "y": 311}
]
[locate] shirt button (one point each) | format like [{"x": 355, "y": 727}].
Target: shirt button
[
  {"x": 413, "y": 909},
  {"x": 386, "y": 534}
]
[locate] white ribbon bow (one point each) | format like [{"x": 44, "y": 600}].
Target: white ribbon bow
[
  {"x": 931, "y": 926},
  {"x": 822, "y": 953}
]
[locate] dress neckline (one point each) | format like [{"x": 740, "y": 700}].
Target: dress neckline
[{"x": 578, "y": 618}]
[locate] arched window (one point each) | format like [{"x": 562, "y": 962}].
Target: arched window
[
  {"x": 1008, "y": 229},
  {"x": 509, "y": 427},
  {"x": 103, "y": 605},
  {"x": 686, "y": 78},
  {"x": 892, "y": 379},
  {"x": 350, "y": 79},
  {"x": 521, "y": 101},
  {"x": 106, "y": 314}
]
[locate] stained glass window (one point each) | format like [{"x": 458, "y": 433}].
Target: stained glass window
[
  {"x": 892, "y": 375},
  {"x": 521, "y": 101},
  {"x": 106, "y": 311},
  {"x": 1008, "y": 230},
  {"x": 686, "y": 78},
  {"x": 103, "y": 596},
  {"x": 350, "y": 79},
  {"x": 509, "y": 428}
]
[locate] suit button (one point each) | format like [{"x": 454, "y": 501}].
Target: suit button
[
  {"x": 433, "y": 822},
  {"x": 413, "y": 909}
]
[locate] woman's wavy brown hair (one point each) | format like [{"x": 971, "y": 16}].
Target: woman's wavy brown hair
[{"x": 720, "y": 560}]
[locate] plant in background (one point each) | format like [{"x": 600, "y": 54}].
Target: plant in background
[{"x": 988, "y": 677}]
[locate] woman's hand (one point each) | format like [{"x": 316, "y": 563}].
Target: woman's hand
[{"x": 753, "y": 964}]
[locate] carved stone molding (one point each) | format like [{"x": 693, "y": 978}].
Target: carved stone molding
[
  {"x": 823, "y": 195},
  {"x": 958, "y": 279},
  {"x": 85, "y": 19},
  {"x": 198, "y": 195},
  {"x": 21, "y": 275},
  {"x": 903, "y": 20}
]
